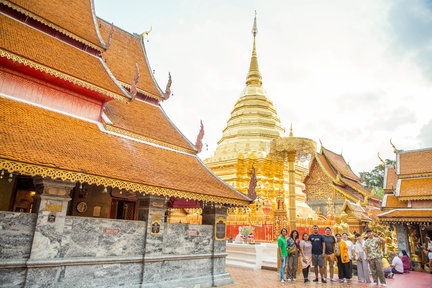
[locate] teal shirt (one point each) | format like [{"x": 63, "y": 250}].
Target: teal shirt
[{"x": 282, "y": 242}]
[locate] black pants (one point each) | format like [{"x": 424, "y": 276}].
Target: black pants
[
  {"x": 395, "y": 271},
  {"x": 306, "y": 272},
  {"x": 343, "y": 269},
  {"x": 349, "y": 270}
]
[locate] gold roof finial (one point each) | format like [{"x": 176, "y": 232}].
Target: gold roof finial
[
  {"x": 381, "y": 160},
  {"x": 394, "y": 147},
  {"x": 254, "y": 76},
  {"x": 291, "y": 133}
]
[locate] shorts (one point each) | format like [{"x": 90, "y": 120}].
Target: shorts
[{"x": 317, "y": 260}]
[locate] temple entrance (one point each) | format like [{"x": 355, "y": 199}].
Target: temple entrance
[{"x": 122, "y": 209}]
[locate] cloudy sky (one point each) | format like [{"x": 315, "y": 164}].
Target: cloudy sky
[{"x": 351, "y": 73}]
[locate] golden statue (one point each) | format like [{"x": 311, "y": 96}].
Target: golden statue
[
  {"x": 345, "y": 226},
  {"x": 337, "y": 228},
  {"x": 389, "y": 242}
]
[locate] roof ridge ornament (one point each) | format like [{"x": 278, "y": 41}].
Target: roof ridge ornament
[
  {"x": 291, "y": 133},
  {"x": 167, "y": 93},
  {"x": 382, "y": 161},
  {"x": 146, "y": 33},
  {"x": 108, "y": 42},
  {"x": 198, "y": 143},
  {"x": 254, "y": 76},
  {"x": 394, "y": 147},
  {"x": 133, "y": 90}
]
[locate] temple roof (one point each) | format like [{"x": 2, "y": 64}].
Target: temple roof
[
  {"x": 74, "y": 18},
  {"x": 124, "y": 52},
  {"x": 407, "y": 215},
  {"x": 415, "y": 162},
  {"x": 37, "y": 50},
  {"x": 415, "y": 189},
  {"x": 37, "y": 141},
  {"x": 147, "y": 120},
  {"x": 322, "y": 161},
  {"x": 339, "y": 163},
  {"x": 391, "y": 202},
  {"x": 391, "y": 178}
]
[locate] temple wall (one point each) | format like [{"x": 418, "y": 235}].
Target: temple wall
[{"x": 96, "y": 252}]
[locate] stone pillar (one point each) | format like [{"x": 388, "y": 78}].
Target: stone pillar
[
  {"x": 152, "y": 210},
  {"x": 402, "y": 237},
  {"x": 213, "y": 216},
  {"x": 51, "y": 206}
]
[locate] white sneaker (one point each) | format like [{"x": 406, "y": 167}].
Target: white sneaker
[
  {"x": 282, "y": 281},
  {"x": 289, "y": 280},
  {"x": 333, "y": 280},
  {"x": 375, "y": 283},
  {"x": 345, "y": 281},
  {"x": 293, "y": 279},
  {"x": 383, "y": 285}
]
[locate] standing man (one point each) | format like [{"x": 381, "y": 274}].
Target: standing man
[
  {"x": 374, "y": 255},
  {"x": 318, "y": 248},
  {"x": 282, "y": 253},
  {"x": 329, "y": 256}
]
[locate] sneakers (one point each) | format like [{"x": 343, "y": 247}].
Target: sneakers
[
  {"x": 282, "y": 281},
  {"x": 306, "y": 280},
  {"x": 316, "y": 280},
  {"x": 293, "y": 279},
  {"x": 383, "y": 285},
  {"x": 288, "y": 280},
  {"x": 375, "y": 283},
  {"x": 333, "y": 280},
  {"x": 345, "y": 280},
  {"x": 323, "y": 280}
]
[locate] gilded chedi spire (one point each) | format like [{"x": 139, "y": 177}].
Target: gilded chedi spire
[{"x": 254, "y": 76}]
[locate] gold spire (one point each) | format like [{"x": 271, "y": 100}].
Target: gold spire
[
  {"x": 291, "y": 133},
  {"x": 254, "y": 76}
]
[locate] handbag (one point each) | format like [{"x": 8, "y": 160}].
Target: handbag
[{"x": 292, "y": 249}]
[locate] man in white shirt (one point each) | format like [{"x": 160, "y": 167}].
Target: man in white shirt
[{"x": 397, "y": 265}]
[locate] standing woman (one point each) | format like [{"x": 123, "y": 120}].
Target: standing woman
[
  {"x": 306, "y": 255},
  {"x": 293, "y": 253},
  {"x": 342, "y": 258},
  {"x": 362, "y": 264},
  {"x": 282, "y": 253}
]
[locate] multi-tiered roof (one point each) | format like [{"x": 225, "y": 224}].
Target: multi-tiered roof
[
  {"x": 68, "y": 109},
  {"x": 408, "y": 187}
]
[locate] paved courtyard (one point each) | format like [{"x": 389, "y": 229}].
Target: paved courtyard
[{"x": 246, "y": 278}]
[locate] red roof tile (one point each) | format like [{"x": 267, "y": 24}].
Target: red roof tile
[
  {"x": 339, "y": 163},
  {"x": 123, "y": 53},
  {"x": 28, "y": 43},
  {"x": 74, "y": 16},
  {"x": 48, "y": 139},
  {"x": 391, "y": 178},
  {"x": 416, "y": 162},
  {"x": 147, "y": 120},
  {"x": 417, "y": 187}
]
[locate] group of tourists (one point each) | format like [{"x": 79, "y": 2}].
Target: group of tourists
[{"x": 321, "y": 251}]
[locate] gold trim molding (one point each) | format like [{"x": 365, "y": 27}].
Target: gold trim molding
[
  {"x": 406, "y": 198},
  {"x": 55, "y": 73},
  {"x": 51, "y": 25},
  {"x": 112, "y": 128},
  {"x": 407, "y": 219},
  {"x": 54, "y": 173}
]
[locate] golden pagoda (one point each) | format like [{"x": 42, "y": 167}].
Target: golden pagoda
[{"x": 246, "y": 142}]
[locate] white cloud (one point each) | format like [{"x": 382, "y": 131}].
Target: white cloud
[{"x": 336, "y": 69}]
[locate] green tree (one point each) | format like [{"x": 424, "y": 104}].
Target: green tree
[{"x": 375, "y": 178}]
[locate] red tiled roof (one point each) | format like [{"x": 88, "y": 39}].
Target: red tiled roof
[
  {"x": 339, "y": 163},
  {"x": 417, "y": 187},
  {"x": 416, "y": 162},
  {"x": 325, "y": 164},
  {"x": 123, "y": 53},
  {"x": 408, "y": 214},
  {"x": 145, "y": 119},
  {"x": 28, "y": 43},
  {"x": 48, "y": 139},
  {"x": 393, "y": 202},
  {"x": 391, "y": 178},
  {"x": 75, "y": 16}
]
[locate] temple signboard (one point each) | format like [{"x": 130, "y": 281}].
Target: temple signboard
[
  {"x": 220, "y": 229},
  {"x": 155, "y": 227}
]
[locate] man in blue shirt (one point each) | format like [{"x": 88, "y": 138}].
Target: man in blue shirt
[{"x": 318, "y": 249}]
